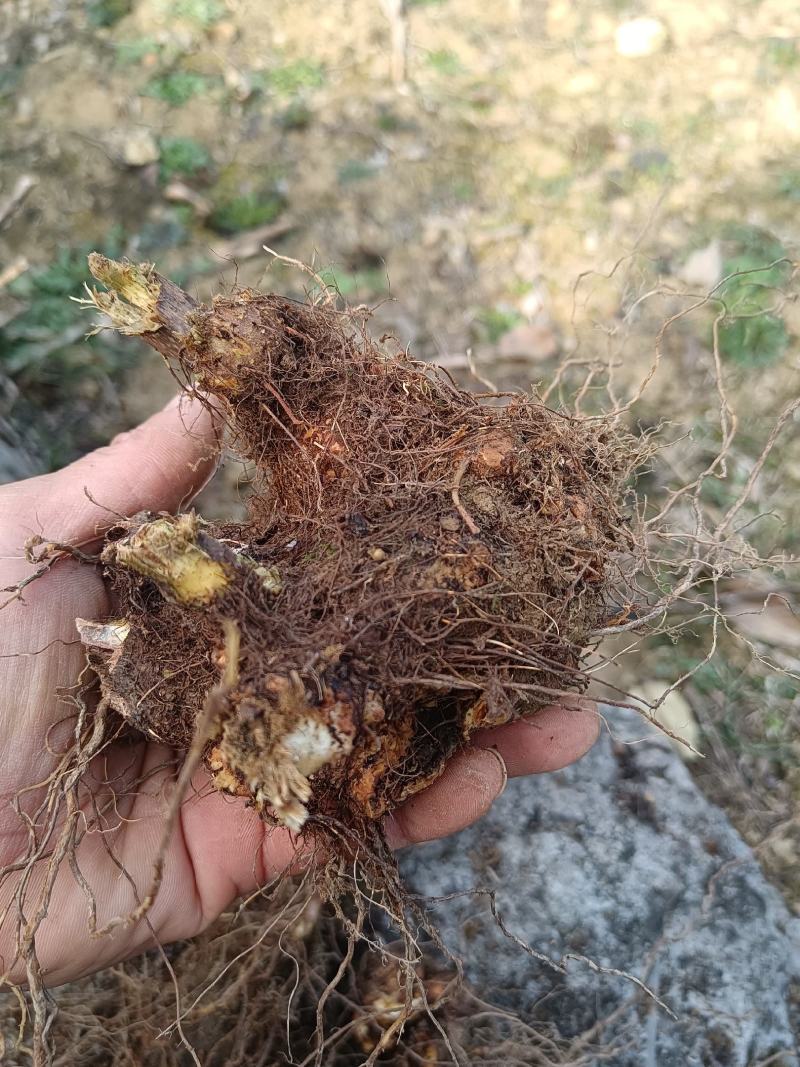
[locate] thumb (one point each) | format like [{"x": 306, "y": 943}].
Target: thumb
[{"x": 158, "y": 466}]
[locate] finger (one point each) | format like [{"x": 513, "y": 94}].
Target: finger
[
  {"x": 158, "y": 466},
  {"x": 550, "y": 739},
  {"x": 231, "y": 853},
  {"x": 465, "y": 791}
]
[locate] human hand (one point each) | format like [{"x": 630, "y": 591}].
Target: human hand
[{"x": 219, "y": 849}]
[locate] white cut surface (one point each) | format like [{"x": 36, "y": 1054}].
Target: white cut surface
[{"x": 311, "y": 745}]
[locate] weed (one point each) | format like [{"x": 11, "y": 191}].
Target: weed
[
  {"x": 244, "y": 211},
  {"x": 464, "y": 190},
  {"x": 368, "y": 281},
  {"x": 354, "y": 170},
  {"x": 300, "y": 75},
  {"x": 45, "y": 293},
  {"x": 202, "y": 12},
  {"x": 297, "y": 115},
  {"x": 496, "y": 321},
  {"x": 178, "y": 87},
  {"x": 788, "y": 185},
  {"x": 388, "y": 121},
  {"x": 103, "y": 13},
  {"x": 444, "y": 61},
  {"x": 754, "y": 342},
  {"x": 182, "y": 156},
  {"x": 753, "y": 334},
  {"x": 42, "y": 350},
  {"x": 781, "y": 53},
  {"x": 751, "y": 249},
  {"x": 132, "y": 52}
]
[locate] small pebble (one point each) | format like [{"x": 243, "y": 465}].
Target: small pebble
[{"x": 640, "y": 37}]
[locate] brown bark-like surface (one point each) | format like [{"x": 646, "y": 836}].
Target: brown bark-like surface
[{"x": 418, "y": 561}]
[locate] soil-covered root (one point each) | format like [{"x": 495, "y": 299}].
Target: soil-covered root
[{"x": 417, "y": 561}]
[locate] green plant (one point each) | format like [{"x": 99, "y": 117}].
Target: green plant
[
  {"x": 295, "y": 77},
  {"x": 754, "y": 342},
  {"x": 496, "y": 321},
  {"x": 103, "y": 13},
  {"x": 464, "y": 190},
  {"x": 753, "y": 333},
  {"x": 357, "y": 283},
  {"x": 751, "y": 248},
  {"x": 131, "y": 52},
  {"x": 47, "y": 311},
  {"x": 297, "y": 115},
  {"x": 178, "y": 87},
  {"x": 444, "y": 61},
  {"x": 782, "y": 53},
  {"x": 354, "y": 170},
  {"x": 788, "y": 185},
  {"x": 388, "y": 121},
  {"x": 244, "y": 211},
  {"x": 43, "y": 351},
  {"x": 203, "y": 12},
  {"x": 182, "y": 156}
]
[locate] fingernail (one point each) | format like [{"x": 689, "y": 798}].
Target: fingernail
[{"x": 494, "y": 752}]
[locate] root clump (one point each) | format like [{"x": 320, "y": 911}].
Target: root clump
[{"x": 417, "y": 562}]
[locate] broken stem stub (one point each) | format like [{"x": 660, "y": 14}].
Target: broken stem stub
[{"x": 140, "y": 301}]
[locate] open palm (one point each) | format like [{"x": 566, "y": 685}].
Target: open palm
[{"x": 219, "y": 849}]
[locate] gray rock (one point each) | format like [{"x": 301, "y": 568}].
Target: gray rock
[
  {"x": 622, "y": 859},
  {"x": 15, "y": 461}
]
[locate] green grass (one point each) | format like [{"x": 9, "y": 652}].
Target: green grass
[
  {"x": 202, "y": 12},
  {"x": 182, "y": 157},
  {"x": 178, "y": 87},
  {"x": 754, "y": 342},
  {"x": 245, "y": 211},
  {"x": 782, "y": 53},
  {"x": 444, "y": 61},
  {"x": 388, "y": 121},
  {"x": 788, "y": 185},
  {"x": 289, "y": 79},
  {"x": 369, "y": 281},
  {"x": 354, "y": 170},
  {"x": 44, "y": 352},
  {"x": 464, "y": 190},
  {"x": 753, "y": 334},
  {"x": 494, "y": 322},
  {"x": 47, "y": 311},
  {"x": 129, "y": 53}
]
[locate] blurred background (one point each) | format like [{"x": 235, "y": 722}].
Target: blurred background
[{"x": 524, "y": 190}]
